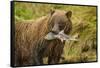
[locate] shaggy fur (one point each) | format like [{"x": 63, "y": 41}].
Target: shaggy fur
[{"x": 30, "y": 45}]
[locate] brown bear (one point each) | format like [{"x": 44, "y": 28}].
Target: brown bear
[{"x": 31, "y": 46}]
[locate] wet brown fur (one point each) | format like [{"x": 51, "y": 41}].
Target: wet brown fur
[{"x": 28, "y": 36}]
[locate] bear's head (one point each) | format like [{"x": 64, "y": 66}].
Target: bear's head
[{"x": 59, "y": 24}]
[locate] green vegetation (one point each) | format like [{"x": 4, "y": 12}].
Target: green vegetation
[{"x": 84, "y": 24}]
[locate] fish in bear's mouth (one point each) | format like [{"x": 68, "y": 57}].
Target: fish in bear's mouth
[{"x": 61, "y": 36}]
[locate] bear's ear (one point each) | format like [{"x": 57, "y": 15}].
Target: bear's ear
[
  {"x": 69, "y": 14},
  {"x": 52, "y": 11}
]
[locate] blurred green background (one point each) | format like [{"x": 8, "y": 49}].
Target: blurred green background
[{"x": 84, "y": 25}]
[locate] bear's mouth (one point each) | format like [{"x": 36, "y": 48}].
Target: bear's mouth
[{"x": 61, "y": 36}]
